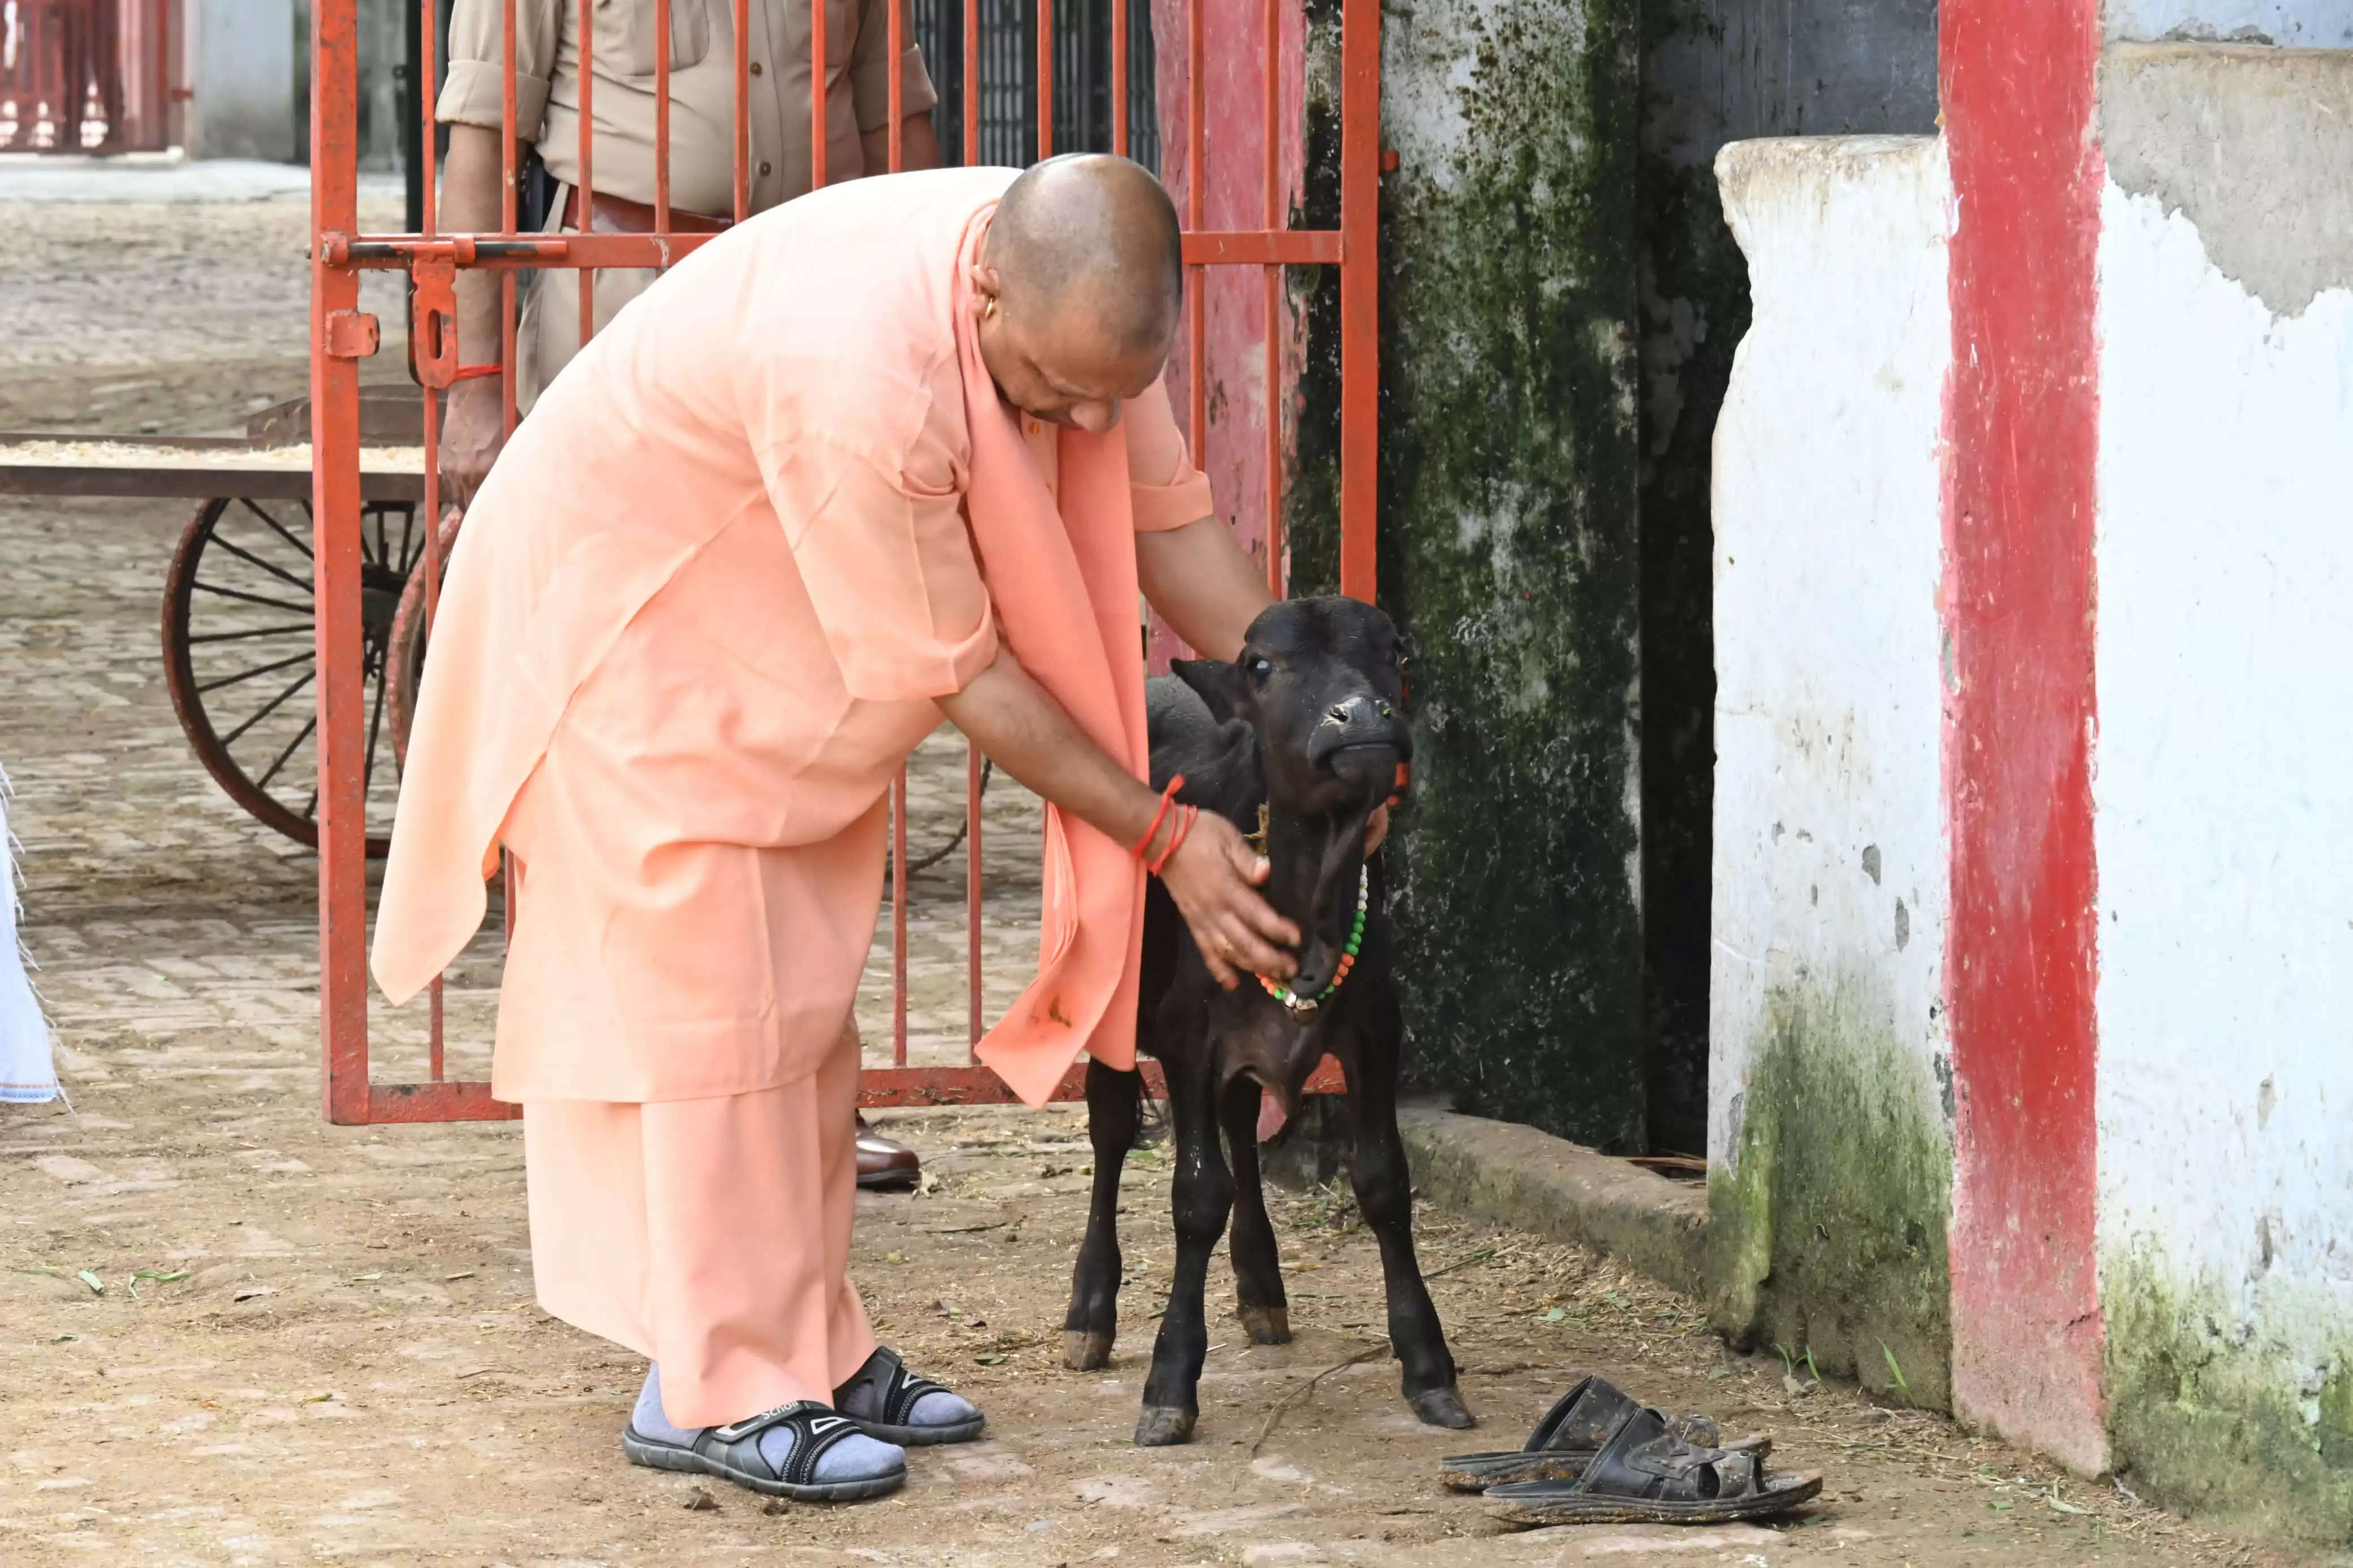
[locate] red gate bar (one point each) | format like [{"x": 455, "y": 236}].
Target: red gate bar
[{"x": 342, "y": 335}]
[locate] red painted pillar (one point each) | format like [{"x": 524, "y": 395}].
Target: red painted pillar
[{"x": 2018, "y": 98}]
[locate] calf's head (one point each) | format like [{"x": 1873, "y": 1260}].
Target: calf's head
[{"x": 1321, "y": 685}]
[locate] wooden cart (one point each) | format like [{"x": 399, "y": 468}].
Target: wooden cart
[{"x": 238, "y": 618}]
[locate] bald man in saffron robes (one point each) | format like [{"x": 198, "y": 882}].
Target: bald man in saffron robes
[{"x": 896, "y": 450}]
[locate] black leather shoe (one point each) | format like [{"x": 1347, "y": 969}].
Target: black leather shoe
[{"x": 883, "y": 1164}]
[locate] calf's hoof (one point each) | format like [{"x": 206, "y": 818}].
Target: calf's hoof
[
  {"x": 1163, "y": 1425},
  {"x": 1440, "y": 1407},
  {"x": 1085, "y": 1350},
  {"x": 1266, "y": 1325}
]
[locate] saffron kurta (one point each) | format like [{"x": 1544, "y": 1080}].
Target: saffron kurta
[
  {"x": 701, "y": 612},
  {"x": 703, "y": 605}
]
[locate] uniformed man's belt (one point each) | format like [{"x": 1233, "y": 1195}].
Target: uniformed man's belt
[{"x": 616, "y": 214}]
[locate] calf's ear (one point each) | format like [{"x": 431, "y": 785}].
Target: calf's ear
[{"x": 1217, "y": 683}]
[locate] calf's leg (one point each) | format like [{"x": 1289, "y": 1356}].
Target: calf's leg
[
  {"x": 1202, "y": 1193},
  {"x": 1258, "y": 1271},
  {"x": 1091, "y": 1325},
  {"x": 1385, "y": 1195}
]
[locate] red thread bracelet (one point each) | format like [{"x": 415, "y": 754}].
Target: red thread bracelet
[
  {"x": 469, "y": 371},
  {"x": 1167, "y": 798},
  {"x": 1184, "y": 828}
]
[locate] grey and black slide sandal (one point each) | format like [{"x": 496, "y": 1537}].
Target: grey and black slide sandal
[
  {"x": 896, "y": 1394},
  {"x": 733, "y": 1453},
  {"x": 1646, "y": 1474},
  {"x": 1568, "y": 1436}
]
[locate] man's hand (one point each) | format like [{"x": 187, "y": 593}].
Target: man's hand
[
  {"x": 472, "y": 435},
  {"x": 474, "y": 426},
  {"x": 1211, "y": 876},
  {"x": 1377, "y": 830}
]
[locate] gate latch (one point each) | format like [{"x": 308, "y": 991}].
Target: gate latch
[
  {"x": 433, "y": 339},
  {"x": 351, "y": 334}
]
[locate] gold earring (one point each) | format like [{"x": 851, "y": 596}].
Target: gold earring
[{"x": 988, "y": 308}]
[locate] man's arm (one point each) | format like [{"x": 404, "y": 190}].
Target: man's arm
[
  {"x": 471, "y": 103},
  {"x": 871, "y": 67},
  {"x": 919, "y": 147},
  {"x": 1213, "y": 873},
  {"x": 1203, "y": 584},
  {"x": 475, "y": 425}
]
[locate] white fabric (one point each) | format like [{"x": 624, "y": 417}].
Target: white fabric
[{"x": 27, "y": 1074}]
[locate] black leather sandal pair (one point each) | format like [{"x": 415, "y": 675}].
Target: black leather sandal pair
[{"x": 1599, "y": 1457}]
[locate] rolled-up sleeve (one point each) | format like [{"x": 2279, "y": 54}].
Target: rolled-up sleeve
[
  {"x": 871, "y": 66},
  {"x": 472, "y": 94},
  {"x": 1165, "y": 489},
  {"x": 881, "y": 542}
]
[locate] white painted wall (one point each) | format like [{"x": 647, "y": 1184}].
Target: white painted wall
[
  {"x": 2224, "y": 789},
  {"x": 2290, "y": 24},
  {"x": 241, "y": 69},
  {"x": 1827, "y": 558}
]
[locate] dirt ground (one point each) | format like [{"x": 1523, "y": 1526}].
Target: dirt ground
[{"x": 232, "y": 1334}]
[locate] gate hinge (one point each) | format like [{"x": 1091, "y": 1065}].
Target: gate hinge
[{"x": 351, "y": 334}]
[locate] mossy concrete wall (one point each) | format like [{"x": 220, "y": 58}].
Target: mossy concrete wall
[
  {"x": 1827, "y": 1219},
  {"x": 1509, "y": 541},
  {"x": 2232, "y": 1399}
]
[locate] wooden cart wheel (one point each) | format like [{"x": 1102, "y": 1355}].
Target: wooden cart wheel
[{"x": 239, "y": 653}]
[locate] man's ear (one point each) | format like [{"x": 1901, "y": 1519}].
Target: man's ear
[
  {"x": 1217, "y": 683},
  {"x": 988, "y": 287}
]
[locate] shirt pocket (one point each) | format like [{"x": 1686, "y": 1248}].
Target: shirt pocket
[{"x": 625, "y": 37}]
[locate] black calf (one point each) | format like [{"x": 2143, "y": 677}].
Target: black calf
[{"x": 1308, "y": 728}]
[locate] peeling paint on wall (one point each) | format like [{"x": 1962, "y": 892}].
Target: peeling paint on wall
[{"x": 2232, "y": 139}]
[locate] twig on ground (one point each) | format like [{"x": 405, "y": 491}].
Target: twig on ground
[
  {"x": 1479, "y": 1256},
  {"x": 1299, "y": 1394}
]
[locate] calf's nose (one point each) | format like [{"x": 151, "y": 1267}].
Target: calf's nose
[{"x": 1360, "y": 735}]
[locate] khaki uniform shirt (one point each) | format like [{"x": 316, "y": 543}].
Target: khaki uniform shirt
[
  {"x": 702, "y": 91},
  {"x": 701, "y": 121}
]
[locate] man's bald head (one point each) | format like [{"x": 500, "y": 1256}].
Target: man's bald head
[{"x": 1093, "y": 232}]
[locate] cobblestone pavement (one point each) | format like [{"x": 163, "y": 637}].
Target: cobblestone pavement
[{"x": 232, "y": 1334}]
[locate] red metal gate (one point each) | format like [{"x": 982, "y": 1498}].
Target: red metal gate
[
  {"x": 85, "y": 76},
  {"x": 342, "y": 336}
]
